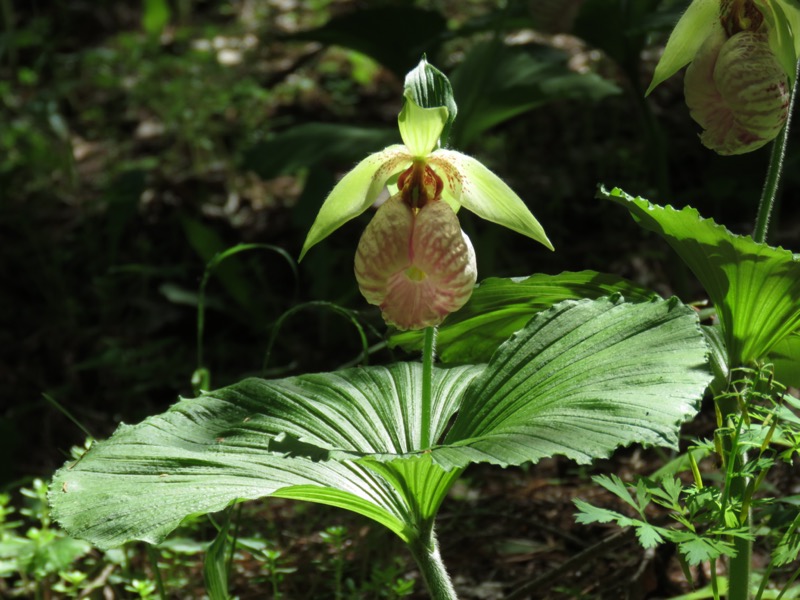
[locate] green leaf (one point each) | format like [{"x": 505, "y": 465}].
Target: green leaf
[
  {"x": 488, "y": 196},
  {"x": 680, "y": 463},
  {"x": 619, "y": 488},
  {"x": 420, "y": 127},
  {"x": 697, "y": 23},
  {"x": 356, "y": 192},
  {"x": 754, "y": 287},
  {"x": 155, "y": 16},
  {"x": 419, "y": 479},
  {"x": 791, "y": 12},
  {"x": 785, "y": 356},
  {"x": 430, "y": 88},
  {"x": 260, "y": 438},
  {"x": 500, "y": 307},
  {"x": 215, "y": 567},
  {"x": 42, "y": 551},
  {"x": 62, "y": 552},
  {"x": 496, "y": 82},
  {"x": 788, "y": 547},
  {"x": 589, "y": 513},
  {"x": 649, "y": 535},
  {"x": 698, "y": 549},
  {"x": 781, "y": 35},
  {"x": 715, "y": 338},
  {"x": 582, "y": 379},
  {"x": 670, "y": 490}
]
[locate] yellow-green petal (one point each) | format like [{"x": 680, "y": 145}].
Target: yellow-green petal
[
  {"x": 355, "y": 192},
  {"x": 485, "y": 194},
  {"x": 420, "y": 127},
  {"x": 696, "y": 24}
]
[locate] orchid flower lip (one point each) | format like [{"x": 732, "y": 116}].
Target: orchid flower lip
[{"x": 415, "y": 263}]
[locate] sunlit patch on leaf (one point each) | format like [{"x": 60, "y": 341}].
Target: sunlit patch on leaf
[
  {"x": 581, "y": 379},
  {"x": 754, "y": 287}
]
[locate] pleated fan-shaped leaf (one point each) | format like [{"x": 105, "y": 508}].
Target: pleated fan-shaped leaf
[
  {"x": 754, "y": 287},
  {"x": 579, "y": 379},
  {"x": 500, "y": 306},
  {"x": 582, "y": 379},
  {"x": 718, "y": 357},
  {"x": 785, "y": 357},
  {"x": 260, "y": 438}
]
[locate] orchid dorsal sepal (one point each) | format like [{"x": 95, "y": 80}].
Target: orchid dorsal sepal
[
  {"x": 430, "y": 88},
  {"x": 421, "y": 128}
]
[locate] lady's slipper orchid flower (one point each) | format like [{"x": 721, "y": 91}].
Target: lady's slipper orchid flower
[
  {"x": 413, "y": 259},
  {"x": 743, "y": 56},
  {"x": 417, "y": 265}
]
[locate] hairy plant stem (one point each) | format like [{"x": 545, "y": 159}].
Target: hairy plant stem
[
  {"x": 426, "y": 553},
  {"x": 427, "y": 386},
  {"x": 774, "y": 171}
]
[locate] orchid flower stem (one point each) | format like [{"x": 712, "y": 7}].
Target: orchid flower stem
[
  {"x": 774, "y": 171},
  {"x": 427, "y": 386}
]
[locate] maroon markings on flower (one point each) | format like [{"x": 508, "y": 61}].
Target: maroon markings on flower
[
  {"x": 737, "y": 91},
  {"x": 417, "y": 265},
  {"x": 740, "y": 15},
  {"x": 443, "y": 165},
  {"x": 419, "y": 185},
  {"x": 384, "y": 248}
]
